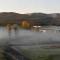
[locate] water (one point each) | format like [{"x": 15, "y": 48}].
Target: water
[{"x": 28, "y": 37}]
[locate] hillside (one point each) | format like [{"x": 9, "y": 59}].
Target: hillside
[{"x": 33, "y": 18}]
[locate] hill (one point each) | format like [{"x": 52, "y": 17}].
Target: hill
[{"x": 33, "y": 18}]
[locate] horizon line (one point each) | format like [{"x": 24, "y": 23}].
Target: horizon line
[{"x": 28, "y": 12}]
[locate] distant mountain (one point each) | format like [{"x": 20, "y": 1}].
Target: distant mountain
[{"x": 33, "y": 18}]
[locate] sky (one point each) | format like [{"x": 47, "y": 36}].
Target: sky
[{"x": 30, "y": 6}]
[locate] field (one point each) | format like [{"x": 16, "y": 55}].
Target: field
[
  {"x": 41, "y": 53},
  {"x": 2, "y": 57}
]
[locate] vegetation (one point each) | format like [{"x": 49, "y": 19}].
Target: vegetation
[
  {"x": 2, "y": 57},
  {"x": 40, "y": 54},
  {"x": 32, "y": 18}
]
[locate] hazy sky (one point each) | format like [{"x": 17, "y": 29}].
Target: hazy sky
[{"x": 29, "y": 6}]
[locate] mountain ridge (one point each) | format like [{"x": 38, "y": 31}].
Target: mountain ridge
[{"x": 36, "y": 18}]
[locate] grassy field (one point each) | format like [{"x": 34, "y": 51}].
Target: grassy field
[
  {"x": 42, "y": 54},
  {"x": 2, "y": 57},
  {"x": 37, "y": 53}
]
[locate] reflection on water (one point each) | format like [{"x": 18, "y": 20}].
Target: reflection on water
[{"x": 21, "y": 36}]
